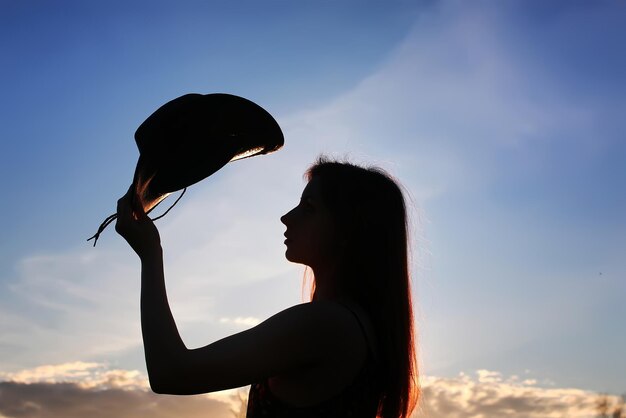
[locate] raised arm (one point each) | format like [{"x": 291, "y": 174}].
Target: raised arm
[
  {"x": 162, "y": 341},
  {"x": 297, "y": 338}
]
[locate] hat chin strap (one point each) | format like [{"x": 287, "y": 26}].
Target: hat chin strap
[
  {"x": 168, "y": 209},
  {"x": 113, "y": 217}
]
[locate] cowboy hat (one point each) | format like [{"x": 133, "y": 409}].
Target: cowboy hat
[{"x": 190, "y": 138}]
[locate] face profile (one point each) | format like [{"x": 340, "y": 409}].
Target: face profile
[{"x": 309, "y": 235}]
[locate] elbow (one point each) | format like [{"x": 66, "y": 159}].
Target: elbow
[
  {"x": 161, "y": 390},
  {"x": 163, "y": 372},
  {"x": 158, "y": 386},
  {"x": 157, "y": 390},
  {"x": 168, "y": 384},
  {"x": 172, "y": 378},
  {"x": 161, "y": 381},
  {"x": 166, "y": 388}
]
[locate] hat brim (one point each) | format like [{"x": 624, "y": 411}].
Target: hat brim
[{"x": 193, "y": 136}]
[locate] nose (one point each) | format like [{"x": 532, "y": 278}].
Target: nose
[{"x": 286, "y": 218}]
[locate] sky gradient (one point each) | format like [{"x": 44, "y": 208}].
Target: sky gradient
[{"x": 504, "y": 121}]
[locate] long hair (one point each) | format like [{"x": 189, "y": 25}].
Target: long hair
[{"x": 369, "y": 215}]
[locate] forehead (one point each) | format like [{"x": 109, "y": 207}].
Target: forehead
[{"x": 313, "y": 189}]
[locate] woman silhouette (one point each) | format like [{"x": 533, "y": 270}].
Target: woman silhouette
[{"x": 347, "y": 353}]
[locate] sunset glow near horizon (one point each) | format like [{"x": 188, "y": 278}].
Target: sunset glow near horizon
[{"x": 503, "y": 120}]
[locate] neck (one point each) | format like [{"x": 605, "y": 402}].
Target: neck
[
  {"x": 325, "y": 288},
  {"x": 324, "y": 277}
]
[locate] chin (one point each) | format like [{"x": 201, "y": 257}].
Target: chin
[{"x": 290, "y": 256}]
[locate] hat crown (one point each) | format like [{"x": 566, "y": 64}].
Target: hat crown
[{"x": 193, "y": 136}]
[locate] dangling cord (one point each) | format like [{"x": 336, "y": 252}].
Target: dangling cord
[
  {"x": 111, "y": 218},
  {"x": 103, "y": 225},
  {"x": 170, "y": 208}
]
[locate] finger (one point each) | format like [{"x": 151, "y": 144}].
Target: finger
[
  {"x": 124, "y": 210},
  {"x": 122, "y": 204}
]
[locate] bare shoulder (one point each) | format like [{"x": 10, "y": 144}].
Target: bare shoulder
[
  {"x": 343, "y": 318},
  {"x": 323, "y": 318},
  {"x": 330, "y": 324}
]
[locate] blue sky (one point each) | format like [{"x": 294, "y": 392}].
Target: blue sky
[{"x": 503, "y": 120}]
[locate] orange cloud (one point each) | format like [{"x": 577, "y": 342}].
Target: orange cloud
[
  {"x": 69, "y": 400},
  {"x": 79, "y": 389},
  {"x": 488, "y": 394},
  {"x": 84, "y": 375}
]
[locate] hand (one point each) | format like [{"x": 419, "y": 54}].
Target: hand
[{"x": 136, "y": 227}]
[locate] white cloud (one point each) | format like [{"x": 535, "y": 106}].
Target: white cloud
[
  {"x": 68, "y": 400},
  {"x": 84, "y": 374},
  {"x": 90, "y": 376},
  {"x": 488, "y": 394}
]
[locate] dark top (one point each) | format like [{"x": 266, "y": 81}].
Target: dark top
[{"x": 358, "y": 400}]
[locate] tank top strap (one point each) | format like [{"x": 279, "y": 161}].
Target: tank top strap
[{"x": 363, "y": 330}]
